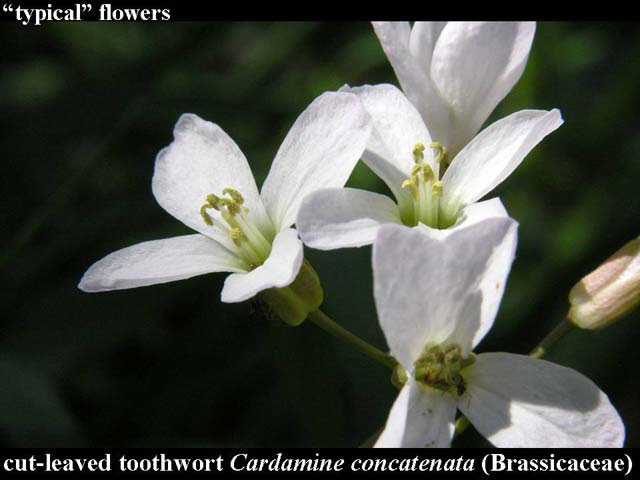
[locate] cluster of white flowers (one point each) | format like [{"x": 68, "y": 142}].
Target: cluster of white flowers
[{"x": 440, "y": 257}]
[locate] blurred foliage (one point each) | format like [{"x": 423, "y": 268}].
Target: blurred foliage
[{"x": 86, "y": 108}]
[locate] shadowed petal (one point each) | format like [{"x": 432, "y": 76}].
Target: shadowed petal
[
  {"x": 397, "y": 128},
  {"x": 203, "y": 159},
  {"x": 160, "y": 261},
  {"x": 320, "y": 151},
  {"x": 279, "y": 270},
  {"x": 344, "y": 217},
  {"x": 493, "y": 154},
  {"x": 427, "y": 289},
  {"x": 474, "y": 65},
  {"x": 420, "y": 417},
  {"x": 518, "y": 401}
]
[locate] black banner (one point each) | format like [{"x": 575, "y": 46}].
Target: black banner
[
  {"x": 316, "y": 463},
  {"x": 166, "y": 10}
]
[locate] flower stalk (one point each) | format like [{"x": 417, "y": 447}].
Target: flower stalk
[{"x": 328, "y": 325}]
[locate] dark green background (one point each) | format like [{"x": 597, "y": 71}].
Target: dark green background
[{"x": 86, "y": 107}]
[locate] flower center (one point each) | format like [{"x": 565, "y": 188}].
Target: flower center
[
  {"x": 426, "y": 187},
  {"x": 440, "y": 367},
  {"x": 252, "y": 245}
]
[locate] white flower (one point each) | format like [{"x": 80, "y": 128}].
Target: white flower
[
  {"x": 399, "y": 153},
  {"x": 436, "y": 300},
  {"x": 204, "y": 180},
  {"x": 455, "y": 73}
]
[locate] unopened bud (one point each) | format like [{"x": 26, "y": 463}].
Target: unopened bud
[
  {"x": 610, "y": 291},
  {"x": 399, "y": 376}
]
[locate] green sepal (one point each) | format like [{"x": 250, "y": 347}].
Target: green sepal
[
  {"x": 399, "y": 376},
  {"x": 293, "y": 303}
]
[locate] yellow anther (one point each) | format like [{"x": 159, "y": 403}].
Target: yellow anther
[
  {"x": 232, "y": 207},
  {"x": 234, "y": 194},
  {"x": 214, "y": 201},
  {"x": 427, "y": 173},
  {"x": 437, "y": 188},
  {"x": 441, "y": 366},
  {"x": 205, "y": 216},
  {"x": 418, "y": 152},
  {"x": 439, "y": 151},
  {"x": 411, "y": 184},
  {"x": 453, "y": 354},
  {"x": 236, "y": 235}
]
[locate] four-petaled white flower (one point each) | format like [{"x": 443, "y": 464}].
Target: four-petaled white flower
[
  {"x": 436, "y": 300},
  {"x": 204, "y": 180},
  {"x": 428, "y": 189},
  {"x": 455, "y": 73}
]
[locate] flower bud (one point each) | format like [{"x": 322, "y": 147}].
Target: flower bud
[
  {"x": 610, "y": 291},
  {"x": 399, "y": 376},
  {"x": 293, "y": 303}
]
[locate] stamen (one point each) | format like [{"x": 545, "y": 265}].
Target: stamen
[
  {"x": 214, "y": 201},
  {"x": 424, "y": 169},
  {"x": 440, "y": 367},
  {"x": 425, "y": 186},
  {"x": 411, "y": 184},
  {"x": 437, "y": 189},
  {"x": 205, "y": 216},
  {"x": 438, "y": 151},
  {"x": 418, "y": 152},
  {"x": 236, "y": 235},
  {"x": 441, "y": 157},
  {"x": 232, "y": 207},
  {"x": 253, "y": 246},
  {"x": 234, "y": 194}
]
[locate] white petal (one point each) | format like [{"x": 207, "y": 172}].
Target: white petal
[
  {"x": 422, "y": 42},
  {"x": 344, "y": 217},
  {"x": 470, "y": 215},
  {"x": 408, "y": 53},
  {"x": 279, "y": 270},
  {"x": 420, "y": 417},
  {"x": 203, "y": 159},
  {"x": 519, "y": 401},
  {"x": 394, "y": 39},
  {"x": 320, "y": 151},
  {"x": 476, "y": 212},
  {"x": 494, "y": 154},
  {"x": 474, "y": 66},
  {"x": 159, "y": 261},
  {"x": 427, "y": 289},
  {"x": 494, "y": 278},
  {"x": 397, "y": 128}
]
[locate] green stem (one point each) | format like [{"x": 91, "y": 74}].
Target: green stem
[
  {"x": 461, "y": 424},
  {"x": 328, "y": 325},
  {"x": 559, "y": 331},
  {"x": 552, "y": 337}
]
